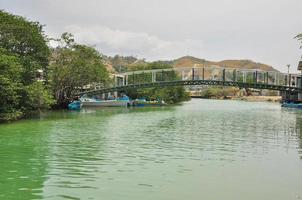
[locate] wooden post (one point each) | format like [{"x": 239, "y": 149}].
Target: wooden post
[
  {"x": 223, "y": 75},
  {"x": 203, "y": 73}
]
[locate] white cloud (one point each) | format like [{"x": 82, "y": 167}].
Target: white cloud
[
  {"x": 114, "y": 41},
  {"x": 261, "y": 30}
]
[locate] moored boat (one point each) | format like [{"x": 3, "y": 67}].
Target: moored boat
[
  {"x": 291, "y": 105},
  {"x": 118, "y": 102},
  {"x": 75, "y": 105}
]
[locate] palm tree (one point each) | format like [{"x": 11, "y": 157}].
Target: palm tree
[{"x": 299, "y": 38}]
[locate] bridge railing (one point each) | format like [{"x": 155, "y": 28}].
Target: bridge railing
[{"x": 252, "y": 76}]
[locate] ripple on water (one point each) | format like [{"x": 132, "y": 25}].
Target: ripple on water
[{"x": 138, "y": 153}]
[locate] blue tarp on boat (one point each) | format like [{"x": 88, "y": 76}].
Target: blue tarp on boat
[{"x": 76, "y": 105}]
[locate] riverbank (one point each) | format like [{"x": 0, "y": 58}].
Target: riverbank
[
  {"x": 260, "y": 98},
  {"x": 246, "y": 98}
]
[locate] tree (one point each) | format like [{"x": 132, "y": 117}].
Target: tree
[
  {"x": 171, "y": 94},
  {"x": 299, "y": 38},
  {"x": 10, "y": 83},
  {"x": 23, "y": 50},
  {"x": 74, "y": 67},
  {"x": 27, "y": 40}
]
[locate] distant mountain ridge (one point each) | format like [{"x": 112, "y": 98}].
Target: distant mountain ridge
[
  {"x": 122, "y": 63},
  {"x": 189, "y": 61}
]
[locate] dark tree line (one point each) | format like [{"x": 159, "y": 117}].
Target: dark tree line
[{"x": 34, "y": 76}]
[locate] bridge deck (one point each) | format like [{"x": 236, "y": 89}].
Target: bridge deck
[{"x": 243, "y": 78}]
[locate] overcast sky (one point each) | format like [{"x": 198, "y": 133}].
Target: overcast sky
[{"x": 260, "y": 30}]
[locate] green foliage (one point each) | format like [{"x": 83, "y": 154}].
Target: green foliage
[
  {"x": 10, "y": 83},
  {"x": 169, "y": 94},
  {"x": 73, "y": 67},
  {"x": 121, "y": 63},
  {"x": 172, "y": 94},
  {"x": 38, "y": 97},
  {"x": 148, "y": 66},
  {"x": 16, "y": 99},
  {"x": 23, "y": 50},
  {"x": 27, "y": 40},
  {"x": 218, "y": 92}
]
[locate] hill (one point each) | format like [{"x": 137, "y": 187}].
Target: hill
[
  {"x": 189, "y": 61},
  {"x": 125, "y": 63},
  {"x": 122, "y": 63}
]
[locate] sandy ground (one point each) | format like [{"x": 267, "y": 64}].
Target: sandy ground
[
  {"x": 259, "y": 98},
  {"x": 252, "y": 98}
]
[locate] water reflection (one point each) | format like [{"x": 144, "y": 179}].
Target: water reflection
[
  {"x": 298, "y": 129},
  {"x": 23, "y": 157}
]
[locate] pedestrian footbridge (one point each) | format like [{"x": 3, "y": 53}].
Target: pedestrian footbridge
[{"x": 220, "y": 76}]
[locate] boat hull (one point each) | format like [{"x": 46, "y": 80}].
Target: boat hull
[{"x": 292, "y": 105}]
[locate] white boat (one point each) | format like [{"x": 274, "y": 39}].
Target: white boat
[{"x": 120, "y": 102}]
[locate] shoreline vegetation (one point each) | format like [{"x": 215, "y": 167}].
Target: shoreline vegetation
[
  {"x": 234, "y": 93},
  {"x": 35, "y": 75},
  {"x": 274, "y": 99}
]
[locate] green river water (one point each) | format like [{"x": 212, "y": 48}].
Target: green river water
[{"x": 202, "y": 149}]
